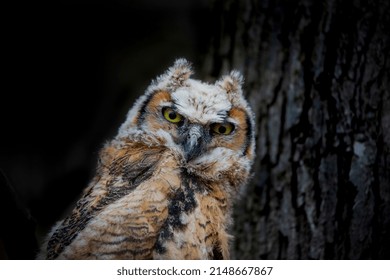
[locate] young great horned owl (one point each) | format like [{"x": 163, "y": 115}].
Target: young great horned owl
[{"x": 165, "y": 185}]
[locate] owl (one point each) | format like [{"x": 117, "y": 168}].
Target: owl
[{"x": 166, "y": 183}]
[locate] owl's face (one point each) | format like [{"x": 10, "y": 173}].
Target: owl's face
[{"x": 196, "y": 117}]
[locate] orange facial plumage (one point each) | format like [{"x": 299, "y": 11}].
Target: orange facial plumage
[{"x": 165, "y": 185}]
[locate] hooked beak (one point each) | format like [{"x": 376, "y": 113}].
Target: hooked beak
[{"x": 194, "y": 141}]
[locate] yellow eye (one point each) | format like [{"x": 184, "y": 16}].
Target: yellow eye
[
  {"x": 171, "y": 115},
  {"x": 223, "y": 128}
]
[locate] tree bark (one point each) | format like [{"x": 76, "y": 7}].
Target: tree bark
[{"x": 317, "y": 76}]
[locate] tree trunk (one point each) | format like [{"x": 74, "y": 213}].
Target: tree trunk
[{"x": 317, "y": 76}]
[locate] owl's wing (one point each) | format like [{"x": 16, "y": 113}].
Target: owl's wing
[{"x": 125, "y": 172}]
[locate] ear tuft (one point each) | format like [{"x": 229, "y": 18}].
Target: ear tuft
[
  {"x": 173, "y": 78},
  {"x": 179, "y": 73},
  {"x": 232, "y": 83}
]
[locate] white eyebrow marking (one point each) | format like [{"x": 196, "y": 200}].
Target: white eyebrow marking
[{"x": 202, "y": 103}]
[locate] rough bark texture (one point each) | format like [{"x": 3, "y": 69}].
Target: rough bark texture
[{"x": 317, "y": 76}]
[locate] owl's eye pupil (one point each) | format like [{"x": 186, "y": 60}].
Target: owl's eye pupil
[
  {"x": 222, "y": 129},
  {"x": 171, "y": 116}
]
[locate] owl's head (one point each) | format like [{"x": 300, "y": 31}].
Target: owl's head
[{"x": 199, "y": 119}]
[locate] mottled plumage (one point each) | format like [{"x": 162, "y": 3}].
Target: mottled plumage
[{"x": 165, "y": 185}]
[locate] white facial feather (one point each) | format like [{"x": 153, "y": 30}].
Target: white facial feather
[{"x": 202, "y": 103}]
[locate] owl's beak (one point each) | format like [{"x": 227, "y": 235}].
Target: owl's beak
[{"x": 194, "y": 141}]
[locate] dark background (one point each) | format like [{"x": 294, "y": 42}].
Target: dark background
[{"x": 72, "y": 71}]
